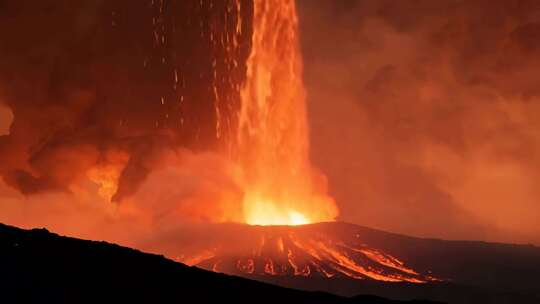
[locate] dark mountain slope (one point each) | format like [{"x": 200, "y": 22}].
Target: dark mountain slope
[{"x": 42, "y": 267}]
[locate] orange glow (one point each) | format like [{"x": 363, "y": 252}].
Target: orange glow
[
  {"x": 106, "y": 176},
  {"x": 301, "y": 251},
  {"x": 270, "y": 213},
  {"x": 273, "y": 148}
]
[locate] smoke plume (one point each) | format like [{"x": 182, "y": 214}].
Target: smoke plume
[{"x": 424, "y": 113}]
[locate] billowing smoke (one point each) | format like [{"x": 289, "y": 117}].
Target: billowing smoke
[
  {"x": 88, "y": 80},
  {"x": 425, "y": 113},
  {"x": 95, "y": 95}
]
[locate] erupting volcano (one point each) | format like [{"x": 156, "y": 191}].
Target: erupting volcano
[
  {"x": 262, "y": 175},
  {"x": 195, "y": 129},
  {"x": 281, "y": 187}
]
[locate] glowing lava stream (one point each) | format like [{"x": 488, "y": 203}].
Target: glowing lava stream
[
  {"x": 321, "y": 250},
  {"x": 281, "y": 187}
]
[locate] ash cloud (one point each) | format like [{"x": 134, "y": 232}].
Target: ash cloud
[
  {"x": 424, "y": 113},
  {"x": 88, "y": 78}
]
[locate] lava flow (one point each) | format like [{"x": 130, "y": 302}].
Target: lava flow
[
  {"x": 280, "y": 185},
  {"x": 322, "y": 250}
]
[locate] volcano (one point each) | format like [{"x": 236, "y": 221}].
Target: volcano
[
  {"x": 348, "y": 259},
  {"x": 318, "y": 250},
  {"x": 43, "y": 267}
]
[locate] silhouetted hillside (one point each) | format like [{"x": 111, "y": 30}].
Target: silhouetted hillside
[{"x": 42, "y": 267}]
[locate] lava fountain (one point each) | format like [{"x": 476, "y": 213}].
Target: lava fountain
[
  {"x": 263, "y": 208},
  {"x": 281, "y": 187}
]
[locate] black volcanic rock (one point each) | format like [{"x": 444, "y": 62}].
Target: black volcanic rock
[{"x": 41, "y": 267}]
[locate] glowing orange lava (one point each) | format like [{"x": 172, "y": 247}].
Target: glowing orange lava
[
  {"x": 322, "y": 250},
  {"x": 281, "y": 187}
]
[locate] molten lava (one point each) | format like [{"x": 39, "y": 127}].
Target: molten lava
[
  {"x": 281, "y": 187},
  {"x": 323, "y": 250}
]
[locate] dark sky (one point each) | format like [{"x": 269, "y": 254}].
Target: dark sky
[{"x": 423, "y": 114}]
